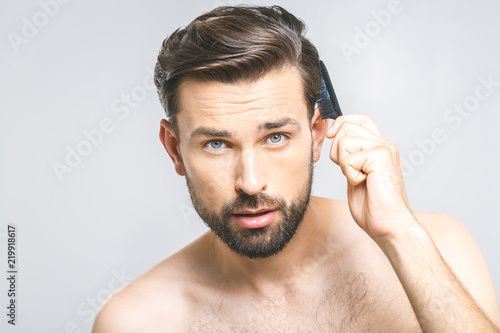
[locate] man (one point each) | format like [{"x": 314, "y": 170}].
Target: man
[{"x": 239, "y": 85}]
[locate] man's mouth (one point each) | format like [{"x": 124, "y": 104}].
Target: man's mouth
[
  {"x": 253, "y": 212},
  {"x": 255, "y": 218}
]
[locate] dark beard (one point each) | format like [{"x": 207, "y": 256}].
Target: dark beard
[{"x": 259, "y": 242}]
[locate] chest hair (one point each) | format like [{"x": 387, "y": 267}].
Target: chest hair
[{"x": 346, "y": 303}]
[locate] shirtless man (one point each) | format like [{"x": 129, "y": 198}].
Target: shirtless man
[{"x": 239, "y": 86}]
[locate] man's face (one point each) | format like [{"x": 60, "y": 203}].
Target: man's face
[{"x": 246, "y": 152}]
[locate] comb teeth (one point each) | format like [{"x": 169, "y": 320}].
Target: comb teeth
[{"x": 327, "y": 102}]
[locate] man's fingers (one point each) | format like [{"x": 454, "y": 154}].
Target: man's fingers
[
  {"x": 359, "y": 149},
  {"x": 358, "y": 157},
  {"x": 353, "y": 166},
  {"x": 353, "y": 144},
  {"x": 352, "y": 130},
  {"x": 364, "y": 121}
]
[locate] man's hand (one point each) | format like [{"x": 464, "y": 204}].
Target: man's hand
[{"x": 376, "y": 193}]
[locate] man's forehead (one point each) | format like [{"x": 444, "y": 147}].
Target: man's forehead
[{"x": 271, "y": 97}]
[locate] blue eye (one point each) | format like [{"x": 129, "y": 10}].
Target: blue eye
[
  {"x": 276, "y": 138},
  {"x": 215, "y": 144}
]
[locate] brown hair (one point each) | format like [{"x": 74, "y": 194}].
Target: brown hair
[{"x": 231, "y": 44}]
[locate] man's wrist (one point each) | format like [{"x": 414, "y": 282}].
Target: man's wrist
[{"x": 407, "y": 234}]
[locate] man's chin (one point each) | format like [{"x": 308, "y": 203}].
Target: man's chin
[{"x": 257, "y": 251}]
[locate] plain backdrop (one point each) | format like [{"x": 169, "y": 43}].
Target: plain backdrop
[{"x": 87, "y": 225}]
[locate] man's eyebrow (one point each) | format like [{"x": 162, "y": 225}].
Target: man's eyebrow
[
  {"x": 278, "y": 124},
  {"x": 205, "y": 131}
]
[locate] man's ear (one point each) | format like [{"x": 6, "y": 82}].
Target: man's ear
[
  {"x": 318, "y": 128},
  {"x": 171, "y": 144}
]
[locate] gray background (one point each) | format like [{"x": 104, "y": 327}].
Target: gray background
[{"x": 122, "y": 209}]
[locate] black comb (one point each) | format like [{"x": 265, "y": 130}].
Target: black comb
[{"x": 327, "y": 102}]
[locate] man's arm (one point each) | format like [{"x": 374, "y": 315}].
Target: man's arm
[
  {"x": 378, "y": 203},
  {"x": 439, "y": 299},
  {"x": 461, "y": 253}
]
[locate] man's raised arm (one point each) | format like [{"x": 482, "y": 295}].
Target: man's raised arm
[{"x": 378, "y": 203}]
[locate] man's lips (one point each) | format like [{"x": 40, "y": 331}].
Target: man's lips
[
  {"x": 257, "y": 218},
  {"x": 253, "y": 212}
]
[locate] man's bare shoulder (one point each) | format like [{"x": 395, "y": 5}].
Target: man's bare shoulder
[
  {"x": 463, "y": 255},
  {"x": 451, "y": 237},
  {"x": 158, "y": 300},
  {"x": 456, "y": 245}
]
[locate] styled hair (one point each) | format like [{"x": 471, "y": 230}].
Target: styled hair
[{"x": 232, "y": 44}]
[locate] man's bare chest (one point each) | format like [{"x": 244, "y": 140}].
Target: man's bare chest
[
  {"x": 348, "y": 305},
  {"x": 369, "y": 318},
  {"x": 264, "y": 320}
]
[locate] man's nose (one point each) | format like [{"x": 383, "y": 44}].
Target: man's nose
[{"x": 250, "y": 177}]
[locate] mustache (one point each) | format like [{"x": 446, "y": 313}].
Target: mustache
[{"x": 246, "y": 201}]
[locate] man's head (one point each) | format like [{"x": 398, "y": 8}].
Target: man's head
[{"x": 239, "y": 85}]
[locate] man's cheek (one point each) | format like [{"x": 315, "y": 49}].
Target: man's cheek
[
  {"x": 293, "y": 161},
  {"x": 290, "y": 173},
  {"x": 214, "y": 183}
]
